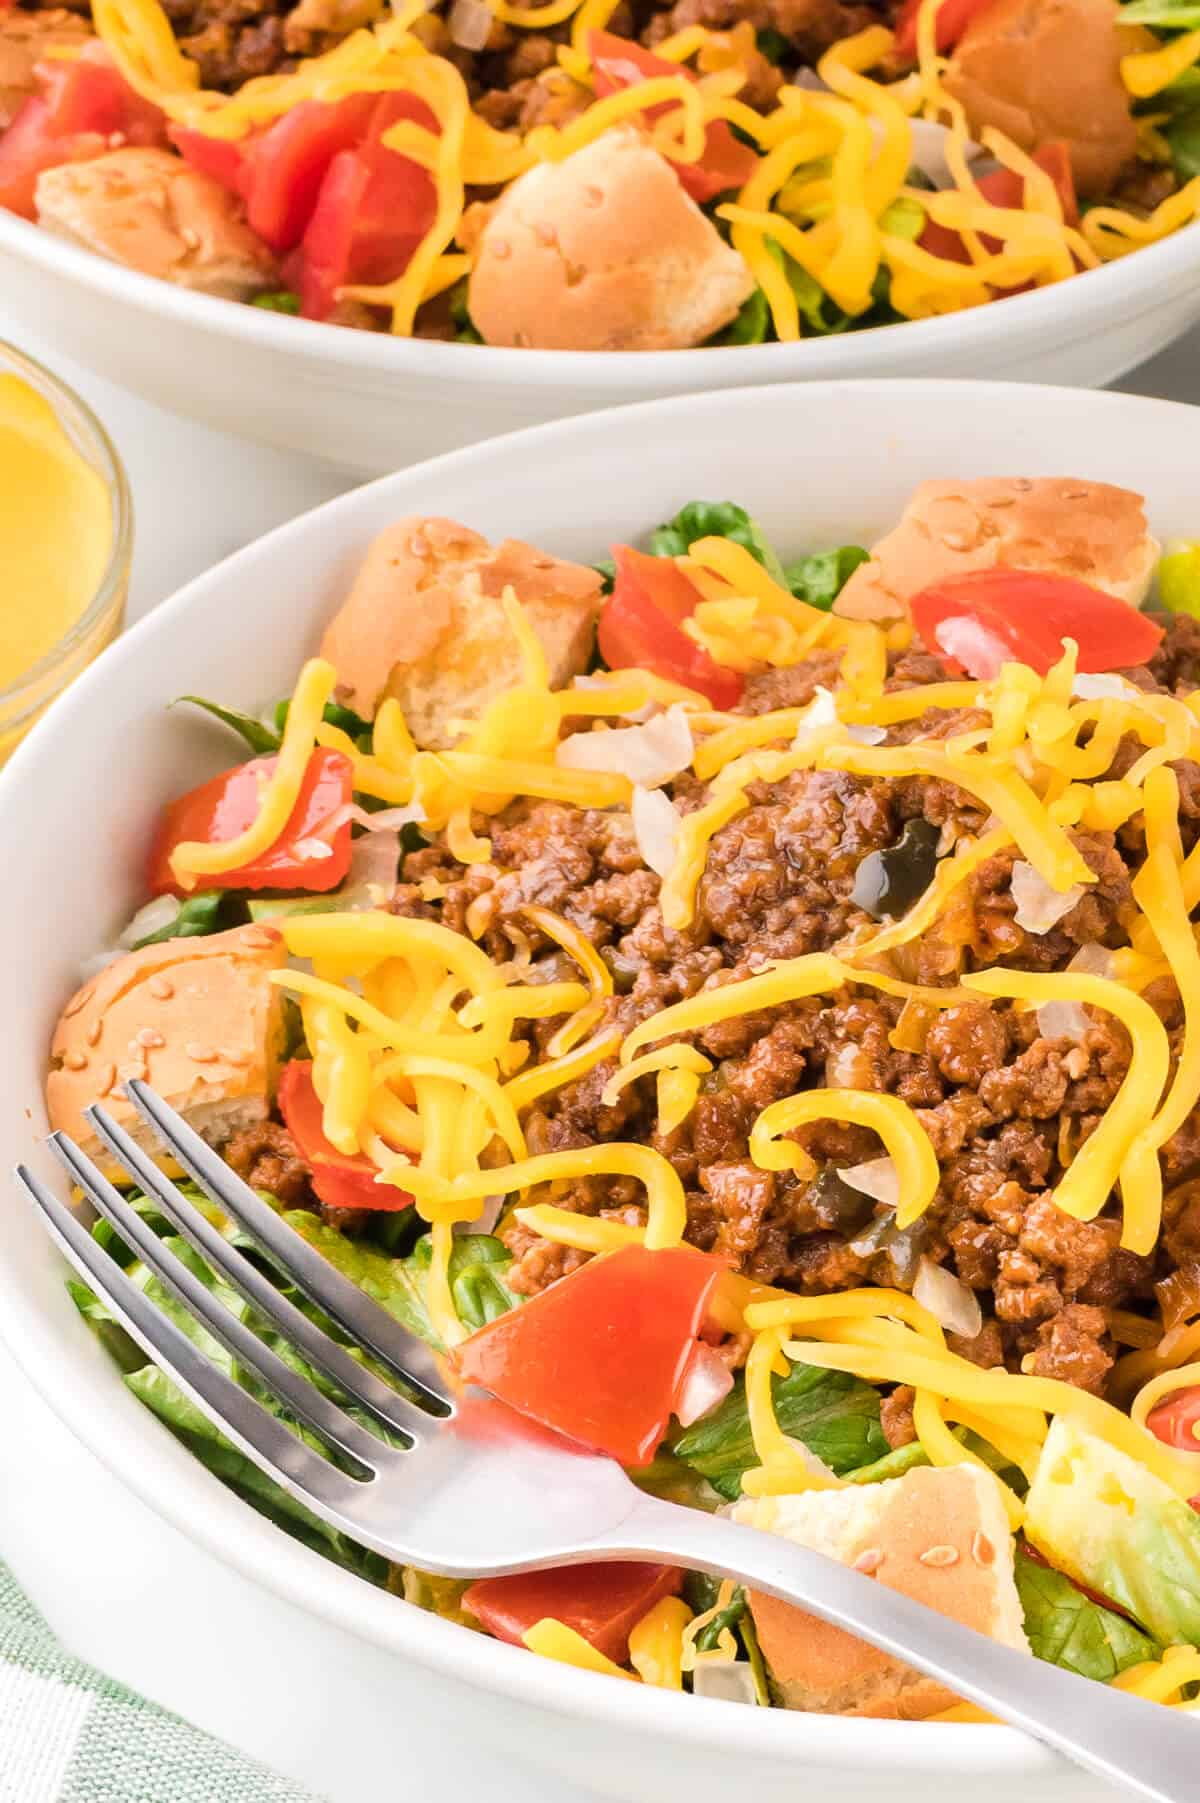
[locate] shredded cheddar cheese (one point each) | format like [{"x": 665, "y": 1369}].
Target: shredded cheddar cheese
[{"x": 194, "y": 859}]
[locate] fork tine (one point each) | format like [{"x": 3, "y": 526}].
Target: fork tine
[
  {"x": 299, "y": 1395},
  {"x": 363, "y": 1320},
  {"x": 252, "y": 1428},
  {"x": 394, "y": 1410}
]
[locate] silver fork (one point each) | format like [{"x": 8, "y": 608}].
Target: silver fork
[{"x": 472, "y": 1491}]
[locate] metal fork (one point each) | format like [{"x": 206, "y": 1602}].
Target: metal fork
[{"x": 463, "y": 1487}]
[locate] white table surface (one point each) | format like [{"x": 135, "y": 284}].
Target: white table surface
[{"x": 124, "y": 1589}]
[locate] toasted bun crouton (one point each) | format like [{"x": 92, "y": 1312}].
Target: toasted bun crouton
[
  {"x": 149, "y": 210},
  {"x": 1046, "y": 69},
  {"x": 196, "y": 1018},
  {"x": 939, "y": 1535},
  {"x": 603, "y": 252},
  {"x": 1057, "y": 524},
  {"x": 424, "y": 623},
  {"x": 25, "y": 37}
]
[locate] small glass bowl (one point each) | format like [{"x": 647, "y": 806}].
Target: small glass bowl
[{"x": 22, "y": 701}]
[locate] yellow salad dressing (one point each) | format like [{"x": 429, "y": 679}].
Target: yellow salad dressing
[{"x": 56, "y": 529}]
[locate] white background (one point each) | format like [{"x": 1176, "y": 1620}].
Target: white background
[{"x": 121, "y": 1587}]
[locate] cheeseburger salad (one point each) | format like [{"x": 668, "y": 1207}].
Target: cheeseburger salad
[
  {"x": 744, "y": 1015},
  {"x": 603, "y": 174}
]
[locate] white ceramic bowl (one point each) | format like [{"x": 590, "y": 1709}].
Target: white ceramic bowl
[
  {"x": 370, "y": 403},
  {"x": 818, "y": 465}
]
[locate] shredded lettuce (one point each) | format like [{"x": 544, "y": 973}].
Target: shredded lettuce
[
  {"x": 200, "y": 914},
  {"x": 715, "y": 519},
  {"x": 820, "y": 579},
  {"x": 1067, "y": 1628},
  {"x": 837, "y": 1418}
]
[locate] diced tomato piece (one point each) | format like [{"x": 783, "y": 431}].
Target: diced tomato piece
[
  {"x": 602, "y": 1354},
  {"x": 284, "y": 166},
  {"x": 640, "y": 627},
  {"x": 1177, "y": 1421},
  {"x": 372, "y": 212},
  {"x": 81, "y": 106},
  {"x": 1025, "y": 615},
  {"x": 601, "y": 1602},
  {"x": 339, "y": 1179},
  {"x": 313, "y": 851},
  {"x": 89, "y": 93},
  {"x": 1005, "y": 188},
  {"x": 618, "y": 63},
  {"x": 953, "y": 17},
  {"x": 221, "y": 158}
]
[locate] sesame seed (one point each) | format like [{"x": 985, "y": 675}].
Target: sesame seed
[
  {"x": 74, "y": 1061},
  {"x": 593, "y": 197},
  {"x": 126, "y": 1071},
  {"x": 940, "y": 1555},
  {"x": 257, "y": 936},
  {"x": 1022, "y": 484},
  {"x": 78, "y": 1001},
  {"x": 869, "y": 1561},
  {"x": 150, "y": 1038},
  {"x": 200, "y": 1054},
  {"x": 161, "y": 989},
  {"x": 237, "y": 1059},
  {"x": 420, "y": 546},
  {"x": 545, "y": 234},
  {"x": 108, "y": 1077},
  {"x": 956, "y": 541},
  {"x": 982, "y": 1550},
  {"x": 1002, "y": 501},
  {"x": 501, "y": 250},
  {"x": 1076, "y": 494},
  {"x": 93, "y": 1033},
  {"x": 190, "y": 237}
]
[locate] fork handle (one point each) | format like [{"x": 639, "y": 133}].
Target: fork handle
[{"x": 1119, "y": 1737}]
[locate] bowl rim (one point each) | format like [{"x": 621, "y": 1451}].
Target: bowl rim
[
  {"x": 188, "y": 1497},
  {"x": 1096, "y": 293},
  {"x": 26, "y": 695}
]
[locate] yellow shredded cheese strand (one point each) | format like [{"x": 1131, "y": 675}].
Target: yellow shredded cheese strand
[
  {"x": 1164, "y": 1385},
  {"x": 554, "y": 1640},
  {"x": 904, "y": 1138},
  {"x": 1004, "y": 793},
  {"x": 1148, "y": 71},
  {"x": 193, "y": 858},
  {"x": 666, "y": 1210},
  {"x": 540, "y": 1078},
  {"x": 667, "y": 1057},
  {"x": 1105, "y": 1154},
  {"x": 942, "y": 1448},
  {"x": 584, "y": 1232},
  {"x": 950, "y": 874},
  {"x": 656, "y": 1644}
]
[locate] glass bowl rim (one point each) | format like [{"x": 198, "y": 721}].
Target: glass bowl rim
[{"x": 28, "y": 693}]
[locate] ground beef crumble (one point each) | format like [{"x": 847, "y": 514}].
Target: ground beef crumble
[{"x": 1005, "y": 1107}]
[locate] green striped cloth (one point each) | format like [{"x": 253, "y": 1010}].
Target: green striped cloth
[{"x": 70, "y": 1735}]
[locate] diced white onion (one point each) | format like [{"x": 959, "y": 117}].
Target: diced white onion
[
  {"x": 152, "y": 918},
  {"x": 313, "y": 851},
  {"x": 979, "y": 651},
  {"x": 929, "y": 150},
  {"x": 383, "y": 820},
  {"x": 1039, "y": 907},
  {"x": 822, "y": 712},
  {"x": 1100, "y": 685},
  {"x": 648, "y": 754},
  {"x": 948, "y": 1299},
  {"x": 707, "y": 1383},
  {"x": 655, "y": 828},
  {"x": 727, "y": 1681},
  {"x": 877, "y": 1178},
  {"x": 843, "y": 1067},
  {"x": 1093, "y": 960},
  {"x": 374, "y": 866},
  {"x": 470, "y": 24},
  {"x": 1062, "y": 1020}
]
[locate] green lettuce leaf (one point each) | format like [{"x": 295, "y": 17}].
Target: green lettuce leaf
[
  {"x": 199, "y": 915},
  {"x": 836, "y": 1417},
  {"x": 259, "y": 737},
  {"x": 1067, "y": 1628},
  {"x": 820, "y": 579},
  {"x": 715, "y": 519}
]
